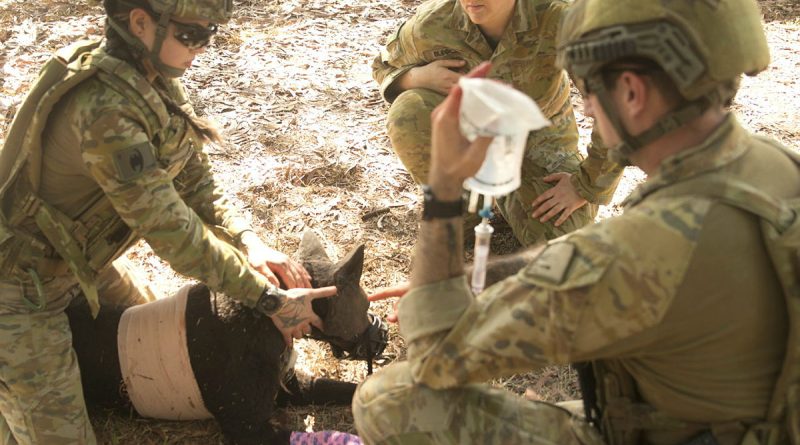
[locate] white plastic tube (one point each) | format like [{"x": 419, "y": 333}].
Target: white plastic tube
[{"x": 483, "y": 238}]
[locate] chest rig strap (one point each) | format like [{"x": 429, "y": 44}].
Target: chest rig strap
[{"x": 56, "y": 228}]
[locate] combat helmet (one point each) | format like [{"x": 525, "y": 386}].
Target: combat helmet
[
  {"x": 704, "y": 46},
  {"x": 163, "y": 11}
]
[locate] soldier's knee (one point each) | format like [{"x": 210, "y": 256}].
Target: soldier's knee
[
  {"x": 366, "y": 399},
  {"x": 380, "y": 400},
  {"x": 416, "y": 103},
  {"x": 408, "y": 125},
  {"x": 410, "y": 114}
]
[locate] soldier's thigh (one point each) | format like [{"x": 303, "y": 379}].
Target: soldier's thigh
[
  {"x": 41, "y": 398},
  {"x": 409, "y": 127},
  {"x": 121, "y": 284},
  {"x": 516, "y": 209},
  {"x": 390, "y": 409}
]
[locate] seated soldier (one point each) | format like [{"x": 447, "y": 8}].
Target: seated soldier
[
  {"x": 424, "y": 59},
  {"x": 678, "y": 304}
]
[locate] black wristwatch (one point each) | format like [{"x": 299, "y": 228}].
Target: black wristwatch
[
  {"x": 271, "y": 301},
  {"x": 432, "y": 208}
]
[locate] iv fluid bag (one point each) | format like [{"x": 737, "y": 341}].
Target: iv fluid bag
[{"x": 490, "y": 108}]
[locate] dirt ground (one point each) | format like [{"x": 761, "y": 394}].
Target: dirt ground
[{"x": 290, "y": 85}]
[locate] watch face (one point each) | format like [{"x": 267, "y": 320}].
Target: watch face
[{"x": 269, "y": 302}]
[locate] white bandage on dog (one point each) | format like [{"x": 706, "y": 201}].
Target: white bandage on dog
[{"x": 154, "y": 359}]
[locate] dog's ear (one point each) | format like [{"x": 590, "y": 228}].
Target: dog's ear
[
  {"x": 348, "y": 270},
  {"x": 311, "y": 248}
]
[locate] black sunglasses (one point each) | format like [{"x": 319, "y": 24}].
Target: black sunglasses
[{"x": 194, "y": 36}]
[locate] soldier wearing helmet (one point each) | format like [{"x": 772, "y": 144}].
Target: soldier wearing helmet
[
  {"x": 676, "y": 311},
  {"x": 106, "y": 150}
]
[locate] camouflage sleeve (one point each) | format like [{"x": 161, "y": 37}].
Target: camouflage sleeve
[
  {"x": 598, "y": 177},
  {"x": 203, "y": 194},
  {"x": 395, "y": 59},
  {"x": 581, "y": 298},
  {"x": 121, "y": 159}
]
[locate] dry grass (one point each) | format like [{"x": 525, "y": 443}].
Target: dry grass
[{"x": 289, "y": 83}]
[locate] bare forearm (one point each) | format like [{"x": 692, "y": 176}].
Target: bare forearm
[{"x": 439, "y": 254}]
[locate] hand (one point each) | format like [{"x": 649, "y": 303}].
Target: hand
[
  {"x": 397, "y": 290},
  {"x": 271, "y": 262},
  {"x": 296, "y": 317},
  {"x": 453, "y": 158},
  {"x": 437, "y": 76},
  {"x": 562, "y": 198}
]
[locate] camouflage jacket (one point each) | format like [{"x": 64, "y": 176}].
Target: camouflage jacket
[
  {"x": 115, "y": 161},
  {"x": 524, "y": 57},
  {"x": 679, "y": 293}
]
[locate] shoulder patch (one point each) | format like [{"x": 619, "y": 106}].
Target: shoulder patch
[
  {"x": 551, "y": 265},
  {"x": 132, "y": 161}
]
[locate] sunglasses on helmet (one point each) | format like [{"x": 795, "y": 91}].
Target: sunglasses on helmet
[{"x": 194, "y": 36}]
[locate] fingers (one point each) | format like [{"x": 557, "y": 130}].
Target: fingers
[
  {"x": 392, "y": 318},
  {"x": 564, "y": 216},
  {"x": 397, "y": 290},
  {"x": 287, "y": 339},
  {"x": 322, "y": 292},
  {"x": 300, "y": 276},
  {"x": 543, "y": 203},
  {"x": 450, "y": 63},
  {"x": 554, "y": 210},
  {"x": 305, "y": 276},
  {"x": 269, "y": 274}
]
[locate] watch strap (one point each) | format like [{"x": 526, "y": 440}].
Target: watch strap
[{"x": 433, "y": 208}]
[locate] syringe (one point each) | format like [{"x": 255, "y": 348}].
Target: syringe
[{"x": 483, "y": 237}]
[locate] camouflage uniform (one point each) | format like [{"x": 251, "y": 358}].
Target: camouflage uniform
[
  {"x": 524, "y": 58},
  {"x": 115, "y": 162},
  {"x": 697, "y": 321}
]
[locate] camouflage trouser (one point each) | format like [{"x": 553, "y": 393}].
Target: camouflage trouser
[
  {"x": 548, "y": 151},
  {"x": 390, "y": 409},
  {"x": 41, "y": 399}
]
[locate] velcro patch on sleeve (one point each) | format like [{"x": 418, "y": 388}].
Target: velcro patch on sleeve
[
  {"x": 132, "y": 161},
  {"x": 440, "y": 53},
  {"x": 552, "y": 264}
]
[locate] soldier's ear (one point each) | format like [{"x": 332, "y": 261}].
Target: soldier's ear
[
  {"x": 138, "y": 21},
  {"x": 635, "y": 93}
]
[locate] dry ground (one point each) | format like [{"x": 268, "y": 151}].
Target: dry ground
[{"x": 289, "y": 83}]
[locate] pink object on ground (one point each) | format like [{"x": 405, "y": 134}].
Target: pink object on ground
[
  {"x": 324, "y": 438},
  {"x": 154, "y": 360}
]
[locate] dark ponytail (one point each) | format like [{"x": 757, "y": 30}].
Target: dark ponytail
[{"x": 116, "y": 46}]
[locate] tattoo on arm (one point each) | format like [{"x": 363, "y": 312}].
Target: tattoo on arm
[{"x": 439, "y": 254}]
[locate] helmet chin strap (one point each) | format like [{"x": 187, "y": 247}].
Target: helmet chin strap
[
  {"x": 155, "y": 58},
  {"x": 141, "y": 49},
  {"x": 673, "y": 120}
]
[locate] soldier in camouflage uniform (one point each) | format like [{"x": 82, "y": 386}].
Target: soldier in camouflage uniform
[
  {"x": 107, "y": 150},
  {"x": 676, "y": 304},
  {"x": 422, "y": 61}
]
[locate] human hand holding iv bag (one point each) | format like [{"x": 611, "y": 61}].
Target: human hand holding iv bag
[{"x": 491, "y": 108}]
